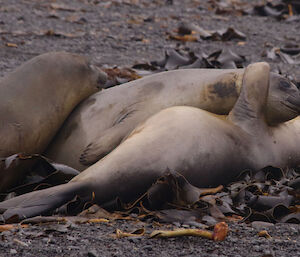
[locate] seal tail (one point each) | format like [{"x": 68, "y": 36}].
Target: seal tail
[{"x": 39, "y": 202}]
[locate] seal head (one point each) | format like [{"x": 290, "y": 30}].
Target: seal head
[{"x": 283, "y": 102}]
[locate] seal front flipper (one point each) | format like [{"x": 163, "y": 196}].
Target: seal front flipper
[
  {"x": 112, "y": 137},
  {"x": 248, "y": 112},
  {"x": 102, "y": 146},
  {"x": 93, "y": 152},
  {"x": 39, "y": 202}
]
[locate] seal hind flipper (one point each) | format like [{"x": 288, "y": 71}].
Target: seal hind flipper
[
  {"x": 248, "y": 112},
  {"x": 39, "y": 202}
]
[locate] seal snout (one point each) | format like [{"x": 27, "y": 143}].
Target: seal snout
[
  {"x": 294, "y": 102},
  {"x": 102, "y": 78}
]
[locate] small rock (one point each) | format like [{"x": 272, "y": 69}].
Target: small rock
[
  {"x": 257, "y": 248},
  {"x": 234, "y": 240},
  {"x": 134, "y": 239},
  {"x": 46, "y": 239},
  {"x": 177, "y": 224},
  {"x": 147, "y": 247},
  {"x": 6, "y": 233},
  {"x": 268, "y": 253},
  {"x": 294, "y": 230},
  {"x": 13, "y": 251},
  {"x": 92, "y": 253},
  {"x": 261, "y": 224},
  {"x": 71, "y": 238},
  {"x": 185, "y": 226}
]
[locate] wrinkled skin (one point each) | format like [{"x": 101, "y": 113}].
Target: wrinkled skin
[
  {"x": 205, "y": 148},
  {"x": 104, "y": 120}
]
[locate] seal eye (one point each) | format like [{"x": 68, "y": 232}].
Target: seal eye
[{"x": 285, "y": 84}]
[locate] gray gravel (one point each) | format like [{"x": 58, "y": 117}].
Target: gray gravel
[{"x": 97, "y": 240}]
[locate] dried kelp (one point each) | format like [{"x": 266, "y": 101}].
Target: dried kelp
[
  {"x": 280, "y": 9},
  {"x": 175, "y": 59},
  {"x": 224, "y": 7},
  {"x": 284, "y": 54},
  {"x": 270, "y": 195},
  {"x": 192, "y": 32},
  {"x": 20, "y": 174},
  {"x": 219, "y": 234},
  {"x": 118, "y": 75}
]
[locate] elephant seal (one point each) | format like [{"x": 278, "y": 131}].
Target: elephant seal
[
  {"x": 102, "y": 121},
  {"x": 37, "y": 97},
  {"x": 205, "y": 148}
]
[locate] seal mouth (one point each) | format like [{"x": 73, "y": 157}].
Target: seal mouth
[
  {"x": 293, "y": 103},
  {"x": 102, "y": 76}
]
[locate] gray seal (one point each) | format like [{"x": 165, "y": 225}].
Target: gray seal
[
  {"x": 38, "y": 96},
  {"x": 36, "y": 99},
  {"x": 102, "y": 121},
  {"x": 206, "y": 148}
]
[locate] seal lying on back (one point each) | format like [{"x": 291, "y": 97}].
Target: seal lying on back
[
  {"x": 206, "y": 148},
  {"x": 101, "y": 122},
  {"x": 37, "y": 98}
]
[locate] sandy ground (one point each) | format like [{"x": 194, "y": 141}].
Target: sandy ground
[{"x": 123, "y": 33}]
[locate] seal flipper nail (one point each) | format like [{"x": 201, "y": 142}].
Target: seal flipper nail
[{"x": 100, "y": 147}]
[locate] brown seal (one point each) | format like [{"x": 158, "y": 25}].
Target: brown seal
[
  {"x": 102, "y": 121},
  {"x": 38, "y": 97},
  {"x": 206, "y": 148}
]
